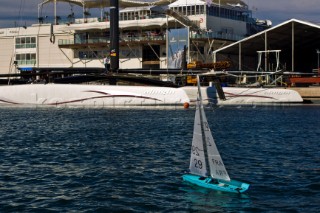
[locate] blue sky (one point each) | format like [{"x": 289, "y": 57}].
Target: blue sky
[
  {"x": 281, "y": 10},
  {"x": 19, "y": 12}
]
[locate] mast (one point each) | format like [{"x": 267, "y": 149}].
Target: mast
[
  {"x": 216, "y": 167},
  {"x": 201, "y": 112},
  {"x": 114, "y": 34},
  {"x": 55, "y": 12},
  {"x": 198, "y": 162}
]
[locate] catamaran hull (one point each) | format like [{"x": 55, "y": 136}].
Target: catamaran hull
[
  {"x": 256, "y": 96},
  {"x": 219, "y": 185},
  {"x": 64, "y": 95},
  {"x": 246, "y": 96}
]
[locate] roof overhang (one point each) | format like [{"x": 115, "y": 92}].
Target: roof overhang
[
  {"x": 106, "y": 3},
  {"x": 281, "y": 36},
  {"x": 132, "y": 24},
  {"x": 297, "y": 40}
]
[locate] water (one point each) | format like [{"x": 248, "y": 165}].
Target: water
[{"x": 105, "y": 160}]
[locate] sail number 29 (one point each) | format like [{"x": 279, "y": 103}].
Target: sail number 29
[{"x": 197, "y": 164}]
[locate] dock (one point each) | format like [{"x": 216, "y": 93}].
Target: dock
[{"x": 309, "y": 94}]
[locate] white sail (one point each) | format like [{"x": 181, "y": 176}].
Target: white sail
[
  {"x": 216, "y": 166},
  {"x": 197, "y": 160}
]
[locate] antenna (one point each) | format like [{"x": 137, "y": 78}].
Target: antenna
[{"x": 318, "y": 52}]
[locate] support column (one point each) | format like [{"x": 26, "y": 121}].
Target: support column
[
  {"x": 240, "y": 62},
  {"x": 266, "y": 52},
  {"x": 55, "y": 12},
  {"x": 292, "y": 47},
  {"x": 114, "y": 35}
]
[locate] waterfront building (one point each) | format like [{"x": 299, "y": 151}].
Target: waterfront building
[{"x": 152, "y": 35}]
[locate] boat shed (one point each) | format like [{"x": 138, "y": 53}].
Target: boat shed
[{"x": 295, "y": 43}]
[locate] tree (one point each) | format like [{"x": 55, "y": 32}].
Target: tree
[
  {"x": 40, "y": 19},
  {"x": 71, "y": 17},
  {"x": 58, "y": 18},
  {"x": 86, "y": 14},
  {"x": 106, "y": 15}
]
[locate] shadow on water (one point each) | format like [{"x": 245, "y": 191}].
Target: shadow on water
[{"x": 206, "y": 200}]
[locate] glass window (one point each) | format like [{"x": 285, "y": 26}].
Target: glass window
[{"x": 26, "y": 42}]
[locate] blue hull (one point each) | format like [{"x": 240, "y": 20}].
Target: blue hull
[{"x": 219, "y": 185}]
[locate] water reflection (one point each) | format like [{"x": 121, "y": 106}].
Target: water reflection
[{"x": 214, "y": 201}]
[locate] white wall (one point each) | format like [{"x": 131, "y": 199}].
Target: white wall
[
  {"x": 50, "y": 55},
  {"x": 6, "y": 54}
]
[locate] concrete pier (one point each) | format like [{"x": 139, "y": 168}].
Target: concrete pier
[{"x": 309, "y": 93}]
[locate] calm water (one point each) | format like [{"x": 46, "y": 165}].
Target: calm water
[{"x": 90, "y": 160}]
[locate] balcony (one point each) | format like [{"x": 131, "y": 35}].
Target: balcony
[
  {"x": 26, "y": 62},
  {"x": 216, "y": 35},
  {"x": 104, "y": 42},
  {"x": 25, "y": 46}
]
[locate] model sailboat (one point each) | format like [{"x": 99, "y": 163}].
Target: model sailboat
[{"x": 204, "y": 152}]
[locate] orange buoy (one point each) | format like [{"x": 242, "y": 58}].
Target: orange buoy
[{"x": 186, "y": 105}]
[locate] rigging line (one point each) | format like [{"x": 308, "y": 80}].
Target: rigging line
[
  {"x": 37, "y": 36},
  {"x": 92, "y": 51},
  {"x": 65, "y": 54},
  {"x": 196, "y": 46},
  {"x": 133, "y": 52},
  {"x": 20, "y": 8},
  {"x": 22, "y": 3},
  {"x": 154, "y": 51},
  {"x": 210, "y": 47}
]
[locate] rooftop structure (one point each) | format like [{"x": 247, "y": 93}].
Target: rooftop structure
[
  {"x": 296, "y": 40},
  {"x": 290, "y": 49}
]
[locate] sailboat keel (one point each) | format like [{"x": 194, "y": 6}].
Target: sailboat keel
[{"x": 219, "y": 185}]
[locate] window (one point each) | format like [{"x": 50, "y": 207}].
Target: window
[
  {"x": 228, "y": 13},
  {"x": 26, "y": 59},
  {"x": 26, "y": 42},
  {"x": 89, "y": 54}
]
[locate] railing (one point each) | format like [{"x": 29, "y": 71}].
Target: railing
[
  {"x": 143, "y": 38},
  {"x": 132, "y": 38},
  {"x": 25, "y": 46},
  {"x": 27, "y": 62},
  {"x": 99, "y": 19},
  {"x": 97, "y": 40},
  {"x": 127, "y": 18},
  {"x": 65, "y": 42},
  {"x": 107, "y": 40},
  {"x": 217, "y": 35}
]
